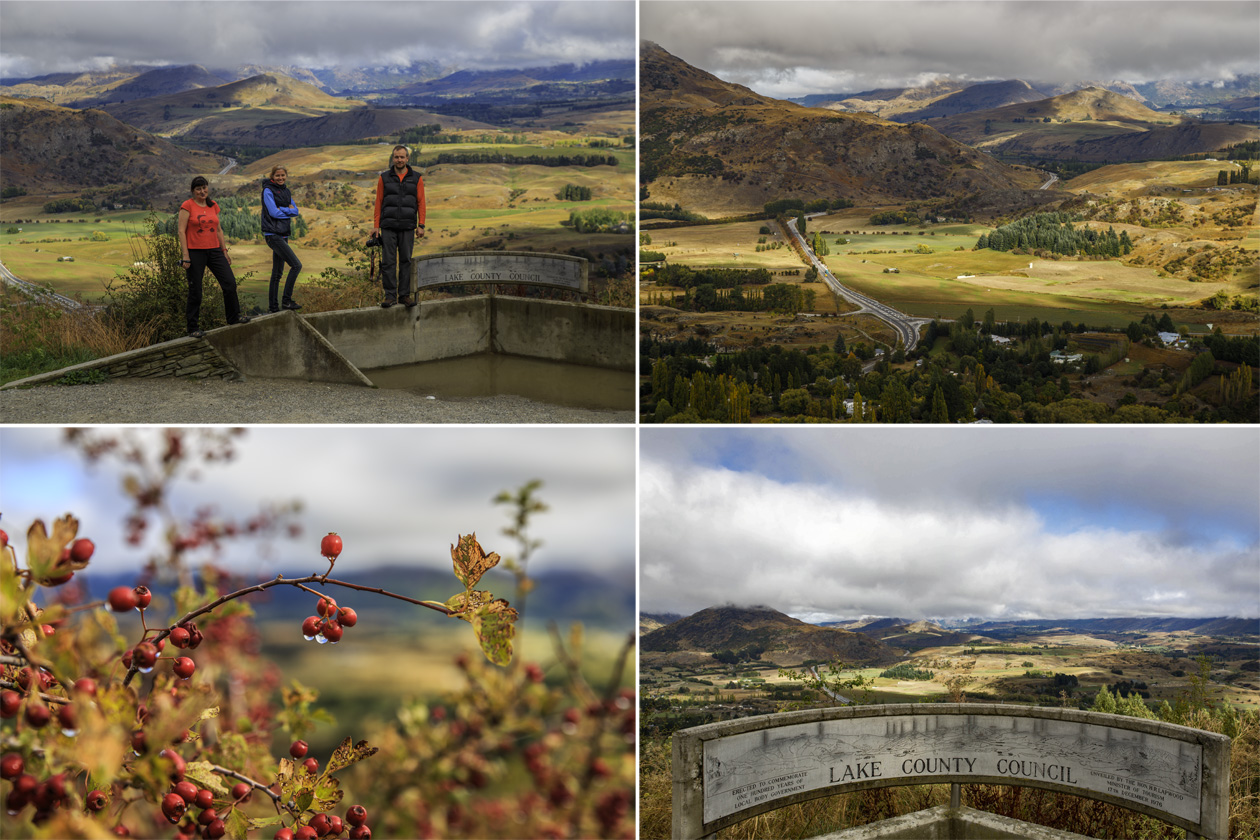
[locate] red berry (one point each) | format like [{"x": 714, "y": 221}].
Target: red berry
[
  {"x": 332, "y": 631},
  {"x": 139, "y": 743},
  {"x": 144, "y": 655},
  {"x": 180, "y": 637},
  {"x": 204, "y": 800},
  {"x": 184, "y": 667},
  {"x": 143, "y": 597},
  {"x": 360, "y": 832},
  {"x": 122, "y": 599},
  {"x": 96, "y": 800},
  {"x": 285, "y": 833},
  {"x": 11, "y": 766},
  {"x": 173, "y": 807},
  {"x": 320, "y": 823},
  {"x": 208, "y": 815},
  {"x": 86, "y": 685},
  {"x": 38, "y": 715},
  {"x": 121, "y": 830},
  {"x": 241, "y": 791},
  {"x": 298, "y": 749},
  {"x": 311, "y": 765},
  {"x": 215, "y": 829},
  {"x": 9, "y": 703},
  {"x": 305, "y": 833},
  {"x": 347, "y": 617},
  {"x": 330, "y": 546},
  {"x": 58, "y": 580},
  {"x": 67, "y": 717},
  {"x": 187, "y": 791},
  {"x": 326, "y": 606},
  {"x": 356, "y": 815},
  {"x": 81, "y": 550},
  {"x": 534, "y": 673},
  {"x": 4, "y": 539},
  {"x": 310, "y": 625},
  {"x": 335, "y": 825}
]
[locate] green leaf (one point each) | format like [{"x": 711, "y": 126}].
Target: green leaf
[
  {"x": 203, "y": 774},
  {"x": 493, "y": 622},
  {"x": 345, "y": 755},
  {"x": 237, "y": 825},
  {"x": 304, "y": 799}
]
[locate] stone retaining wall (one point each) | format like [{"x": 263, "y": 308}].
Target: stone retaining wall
[{"x": 188, "y": 357}]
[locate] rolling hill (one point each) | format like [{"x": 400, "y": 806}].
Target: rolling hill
[
  {"x": 1089, "y": 125},
  {"x": 49, "y": 149},
  {"x": 722, "y": 149},
  {"x": 161, "y": 81},
  {"x": 783, "y": 639},
  {"x": 269, "y": 98}
]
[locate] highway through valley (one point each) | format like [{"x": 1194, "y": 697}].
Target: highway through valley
[{"x": 906, "y": 326}]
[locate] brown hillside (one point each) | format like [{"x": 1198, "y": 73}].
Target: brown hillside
[
  {"x": 340, "y": 128},
  {"x": 162, "y": 81},
  {"x": 268, "y": 91},
  {"x": 710, "y": 144},
  {"x": 979, "y": 97},
  {"x": 783, "y": 639},
  {"x": 48, "y": 148}
]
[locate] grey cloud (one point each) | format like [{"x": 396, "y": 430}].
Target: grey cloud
[
  {"x": 41, "y": 37},
  {"x": 941, "y": 523},
  {"x": 854, "y": 45}
]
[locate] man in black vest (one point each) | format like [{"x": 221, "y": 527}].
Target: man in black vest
[{"x": 398, "y": 221}]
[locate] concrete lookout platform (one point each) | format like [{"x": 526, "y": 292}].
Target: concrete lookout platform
[{"x": 339, "y": 346}]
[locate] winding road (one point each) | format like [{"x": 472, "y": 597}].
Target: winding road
[
  {"x": 11, "y": 279},
  {"x": 906, "y": 326}
]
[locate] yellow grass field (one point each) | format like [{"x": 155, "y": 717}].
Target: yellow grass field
[{"x": 470, "y": 207}]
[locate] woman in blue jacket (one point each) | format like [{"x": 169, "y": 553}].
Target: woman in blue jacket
[{"x": 277, "y": 209}]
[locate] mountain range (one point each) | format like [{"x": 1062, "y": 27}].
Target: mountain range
[{"x": 719, "y": 147}]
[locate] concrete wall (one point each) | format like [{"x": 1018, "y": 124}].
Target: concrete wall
[
  {"x": 945, "y": 823},
  {"x": 284, "y": 346},
  {"x": 577, "y": 333},
  {"x": 373, "y": 338}
]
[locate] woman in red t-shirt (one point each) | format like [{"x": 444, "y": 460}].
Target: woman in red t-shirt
[{"x": 201, "y": 241}]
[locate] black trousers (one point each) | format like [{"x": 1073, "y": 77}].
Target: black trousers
[
  {"x": 281, "y": 255},
  {"x": 396, "y": 248},
  {"x": 213, "y": 258}
]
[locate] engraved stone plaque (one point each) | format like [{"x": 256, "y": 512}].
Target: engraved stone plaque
[
  {"x": 502, "y": 267},
  {"x": 743, "y": 770}
]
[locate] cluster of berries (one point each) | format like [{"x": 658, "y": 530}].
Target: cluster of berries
[
  {"x": 328, "y": 626},
  {"x": 331, "y": 825},
  {"x": 184, "y": 796},
  {"x": 27, "y": 790}
]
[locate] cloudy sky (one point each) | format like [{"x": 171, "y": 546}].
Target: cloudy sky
[
  {"x": 396, "y": 495},
  {"x": 54, "y": 36},
  {"x": 944, "y": 523},
  {"x": 786, "y": 49}
]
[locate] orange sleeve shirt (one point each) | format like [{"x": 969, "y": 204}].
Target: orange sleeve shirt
[{"x": 203, "y": 225}]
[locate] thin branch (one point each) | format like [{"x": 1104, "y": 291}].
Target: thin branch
[
  {"x": 48, "y": 698},
  {"x": 275, "y": 797},
  {"x": 281, "y": 580}
]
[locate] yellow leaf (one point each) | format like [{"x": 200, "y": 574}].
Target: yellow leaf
[{"x": 471, "y": 560}]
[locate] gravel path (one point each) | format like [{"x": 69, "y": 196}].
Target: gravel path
[{"x": 260, "y": 400}]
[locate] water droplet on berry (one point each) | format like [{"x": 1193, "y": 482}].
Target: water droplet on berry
[
  {"x": 308, "y": 638},
  {"x": 322, "y": 639},
  {"x": 69, "y": 733},
  {"x": 148, "y": 670}
]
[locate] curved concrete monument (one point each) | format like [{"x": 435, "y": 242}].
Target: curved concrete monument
[{"x": 727, "y": 772}]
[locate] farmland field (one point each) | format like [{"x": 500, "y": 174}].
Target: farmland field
[{"x": 508, "y": 205}]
